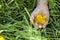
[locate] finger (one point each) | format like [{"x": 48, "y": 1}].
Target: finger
[
  {"x": 31, "y": 19},
  {"x": 32, "y": 16},
  {"x": 40, "y": 26},
  {"x": 45, "y": 24}
]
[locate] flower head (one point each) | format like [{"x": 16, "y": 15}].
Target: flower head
[
  {"x": 1, "y": 38},
  {"x": 40, "y": 19}
]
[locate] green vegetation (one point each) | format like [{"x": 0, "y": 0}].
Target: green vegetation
[{"x": 15, "y": 24}]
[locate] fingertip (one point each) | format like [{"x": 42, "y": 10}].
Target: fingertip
[
  {"x": 44, "y": 26},
  {"x": 40, "y": 26},
  {"x": 31, "y": 20}
]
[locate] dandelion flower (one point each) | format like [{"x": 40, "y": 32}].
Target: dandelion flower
[{"x": 40, "y": 19}]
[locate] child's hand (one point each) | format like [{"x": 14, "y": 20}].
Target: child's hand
[{"x": 43, "y": 10}]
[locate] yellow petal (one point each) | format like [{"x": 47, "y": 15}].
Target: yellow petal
[
  {"x": 40, "y": 19},
  {"x": 44, "y": 17}
]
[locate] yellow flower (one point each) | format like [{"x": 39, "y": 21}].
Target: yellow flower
[
  {"x": 1, "y": 38},
  {"x": 40, "y": 19}
]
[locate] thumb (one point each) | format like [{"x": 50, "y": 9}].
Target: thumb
[{"x": 31, "y": 19}]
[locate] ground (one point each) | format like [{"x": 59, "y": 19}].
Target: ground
[{"x": 15, "y": 23}]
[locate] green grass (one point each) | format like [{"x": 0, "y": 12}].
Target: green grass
[{"x": 15, "y": 24}]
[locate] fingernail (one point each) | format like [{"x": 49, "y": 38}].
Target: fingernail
[
  {"x": 30, "y": 19},
  {"x": 40, "y": 26}
]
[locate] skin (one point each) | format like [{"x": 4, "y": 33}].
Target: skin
[{"x": 42, "y": 8}]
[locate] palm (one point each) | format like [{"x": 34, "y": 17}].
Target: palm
[{"x": 42, "y": 10}]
